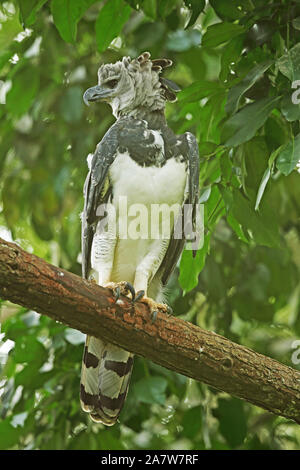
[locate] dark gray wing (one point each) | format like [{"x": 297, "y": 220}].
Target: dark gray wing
[
  {"x": 96, "y": 191},
  {"x": 136, "y": 139},
  {"x": 187, "y": 218}
]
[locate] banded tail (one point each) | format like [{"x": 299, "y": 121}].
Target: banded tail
[{"x": 105, "y": 376}]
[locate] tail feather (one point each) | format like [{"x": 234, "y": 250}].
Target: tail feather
[{"x": 105, "y": 376}]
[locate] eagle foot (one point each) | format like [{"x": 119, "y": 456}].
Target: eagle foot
[
  {"x": 121, "y": 288},
  {"x": 155, "y": 307}
]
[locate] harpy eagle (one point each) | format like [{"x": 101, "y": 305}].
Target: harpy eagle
[{"x": 139, "y": 160}]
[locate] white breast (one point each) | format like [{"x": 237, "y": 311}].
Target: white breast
[{"x": 147, "y": 185}]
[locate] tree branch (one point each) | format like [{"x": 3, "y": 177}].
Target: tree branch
[{"x": 173, "y": 343}]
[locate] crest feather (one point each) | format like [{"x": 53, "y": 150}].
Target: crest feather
[{"x": 158, "y": 65}]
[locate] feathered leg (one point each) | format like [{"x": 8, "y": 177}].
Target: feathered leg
[
  {"x": 106, "y": 372},
  {"x": 106, "y": 369},
  {"x": 145, "y": 273}
]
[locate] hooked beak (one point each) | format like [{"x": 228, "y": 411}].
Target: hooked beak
[{"x": 95, "y": 93}]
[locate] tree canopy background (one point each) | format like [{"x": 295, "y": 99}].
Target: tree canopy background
[{"x": 236, "y": 63}]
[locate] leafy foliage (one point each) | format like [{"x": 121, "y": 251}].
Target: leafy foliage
[{"x": 236, "y": 63}]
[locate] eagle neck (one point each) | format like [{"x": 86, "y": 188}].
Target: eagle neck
[{"x": 155, "y": 119}]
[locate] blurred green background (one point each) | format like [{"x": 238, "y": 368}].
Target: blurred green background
[{"x": 236, "y": 63}]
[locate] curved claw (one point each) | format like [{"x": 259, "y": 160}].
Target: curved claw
[
  {"x": 139, "y": 295},
  {"x": 117, "y": 293},
  {"x": 119, "y": 288},
  {"x": 169, "y": 310},
  {"x": 154, "y": 316},
  {"x": 131, "y": 290}
]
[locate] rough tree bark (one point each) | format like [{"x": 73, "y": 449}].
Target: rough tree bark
[{"x": 175, "y": 344}]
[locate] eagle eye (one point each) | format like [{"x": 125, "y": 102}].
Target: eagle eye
[{"x": 112, "y": 83}]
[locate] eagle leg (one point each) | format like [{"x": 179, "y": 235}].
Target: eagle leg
[
  {"x": 155, "y": 307},
  {"x": 145, "y": 273},
  {"x": 121, "y": 288}
]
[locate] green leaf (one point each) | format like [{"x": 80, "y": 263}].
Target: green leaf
[
  {"x": 9, "y": 434},
  {"x": 243, "y": 125},
  {"x": 277, "y": 131},
  {"x": 196, "y": 7},
  {"x": 289, "y": 63},
  {"x": 221, "y": 32},
  {"x": 23, "y": 91},
  {"x": 29, "y": 349},
  {"x": 290, "y": 110},
  {"x": 150, "y": 8},
  {"x": 14, "y": 327},
  {"x": 165, "y": 8},
  {"x": 226, "y": 167},
  {"x": 231, "y": 53},
  {"x": 227, "y": 196},
  {"x": 84, "y": 440},
  {"x": 262, "y": 32},
  {"x": 207, "y": 149},
  {"x": 10, "y": 27},
  {"x": 27, "y": 376},
  {"x": 110, "y": 22},
  {"x": 151, "y": 390},
  {"x": 199, "y": 90},
  {"x": 262, "y": 187},
  {"x": 204, "y": 194},
  {"x": 192, "y": 422},
  {"x": 260, "y": 226},
  {"x": 66, "y": 14},
  {"x": 107, "y": 441},
  {"x": 190, "y": 267},
  {"x": 237, "y": 91},
  {"x": 227, "y": 10},
  {"x": 289, "y": 156},
  {"x": 266, "y": 176},
  {"x": 296, "y": 23},
  {"x": 212, "y": 112},
  {"x": 255, "y": 154},
  {"x": 235, "y": 225},
  {"x": 232, "y": 420},
  {"x": 28, "y": 10}
]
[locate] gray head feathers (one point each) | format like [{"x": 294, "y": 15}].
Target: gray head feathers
[{"x": 135, "y": 83}]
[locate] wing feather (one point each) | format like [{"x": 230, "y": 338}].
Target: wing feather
[
  {"x": 96, "y": 191},
  {"x": 186, "y": 218}
]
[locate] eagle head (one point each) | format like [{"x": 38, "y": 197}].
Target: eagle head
[{"x": 130, "y": 84}]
